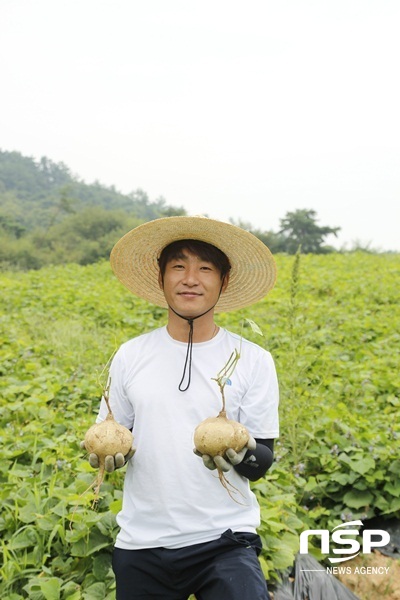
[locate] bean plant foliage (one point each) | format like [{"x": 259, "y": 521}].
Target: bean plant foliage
[{"x": 332, "y": 325}]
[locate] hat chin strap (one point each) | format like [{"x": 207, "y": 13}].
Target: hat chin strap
[{"x": 188, "y": 359}]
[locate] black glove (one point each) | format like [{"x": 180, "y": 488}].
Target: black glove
[{"x": 231, "y": 458}]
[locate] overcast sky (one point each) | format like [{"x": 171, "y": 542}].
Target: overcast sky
[{"x": 235, "y": 109}]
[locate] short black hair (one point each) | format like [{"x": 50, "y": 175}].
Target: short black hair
[{"x": 203, "y": 250}]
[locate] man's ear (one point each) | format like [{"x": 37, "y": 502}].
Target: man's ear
[
  {"x": 160, "y": 280},
  {"x": 225, "y": 283}
]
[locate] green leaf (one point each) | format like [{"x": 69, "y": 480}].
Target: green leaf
[
  {"x": 96, "y": 591},
  {"x": 342, "y": 478},
  {"x": 76, "y": 595},
  {"x": 51, "y": 588},
  {"x": 283, "y": 557},
  {"x": 363, "y": 465},
  {"x": 101, "y": 566},
  {"x": 395, "y": 467},
  {"x": 381, "y": 503},
  {"x": 264, "y": 567},
  {"x": 394, "y": 505},
  {"x": 393, "y": 488},
  {"x": 28, "y": 513},
  {"x": 358, "y": 499},
  {"x": 116, "y": 506},
  {"x": 311, "y": 484},
  {"x": 23, "y": 539},
  {"x": 254, "y": 327},
  {"x": 85, "y": 547},
  {"x": 361, "y": 485}
]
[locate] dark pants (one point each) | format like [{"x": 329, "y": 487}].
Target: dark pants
[{"x": 224, "y": 569}]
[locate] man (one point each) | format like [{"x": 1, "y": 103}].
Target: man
[{"x": 181, "y": 533}]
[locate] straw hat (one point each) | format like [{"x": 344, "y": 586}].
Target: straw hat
[{"x": 252, "y": 276}]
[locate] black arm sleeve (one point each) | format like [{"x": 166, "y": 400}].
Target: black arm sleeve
[{"x": 257, "y": 462}]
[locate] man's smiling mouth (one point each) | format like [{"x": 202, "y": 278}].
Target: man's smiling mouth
[{"x": 189, "y": 294}]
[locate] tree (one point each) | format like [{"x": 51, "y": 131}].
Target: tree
[
  {"x": 84, "y": 237},
  {"x": 300, "y": 229},
  {"x": 274, "y": 241}
]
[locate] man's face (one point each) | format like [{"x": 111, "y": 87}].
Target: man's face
[{"x": 191, "y": 285}]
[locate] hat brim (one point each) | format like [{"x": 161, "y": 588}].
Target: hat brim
[{"x": 253, "y": 273}]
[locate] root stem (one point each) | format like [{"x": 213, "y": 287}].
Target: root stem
[{"x": 230, "y": 488}]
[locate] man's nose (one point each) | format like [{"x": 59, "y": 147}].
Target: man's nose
[{"x": 190, "y": 277}]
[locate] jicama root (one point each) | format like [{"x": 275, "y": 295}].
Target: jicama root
[
  {"x": 107, "y": 438},
  {"x": 214, "y": 436}
]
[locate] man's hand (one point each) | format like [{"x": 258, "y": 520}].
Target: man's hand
[
  {"x": 231, "y": 458},
  {"x": 111, "y": 462}
]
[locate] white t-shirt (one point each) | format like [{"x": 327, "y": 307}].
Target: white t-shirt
[{"x": 170, "y": 498}]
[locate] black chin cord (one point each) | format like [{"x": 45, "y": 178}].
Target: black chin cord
[{"x": 188, "y": 359}]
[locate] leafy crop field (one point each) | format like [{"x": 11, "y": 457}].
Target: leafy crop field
[{"x": 333, "y": 326}]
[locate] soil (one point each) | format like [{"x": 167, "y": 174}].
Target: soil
[
  {"x": 372, "y": 582},
  {"x": 370, "y": 585}
]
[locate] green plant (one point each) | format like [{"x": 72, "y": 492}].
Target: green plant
[{"x": 335, "y": 343}]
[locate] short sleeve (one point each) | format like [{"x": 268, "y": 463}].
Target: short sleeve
[{"x": 259, "y": 407}]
